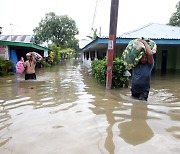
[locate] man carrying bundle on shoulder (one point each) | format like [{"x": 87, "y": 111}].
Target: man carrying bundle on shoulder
[
  {"x": 138, "y": 57},
  {"x": 30, "y": 65},
  {"x": 141, "y": 74}
]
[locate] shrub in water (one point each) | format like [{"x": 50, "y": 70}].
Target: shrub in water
[
  {"x": 45, "y": 64},
  {"x": 5, "y": 66},
  {"x": 99, "y": 72}
]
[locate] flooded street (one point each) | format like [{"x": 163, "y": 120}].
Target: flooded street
[{"x": 67, "y": 112}]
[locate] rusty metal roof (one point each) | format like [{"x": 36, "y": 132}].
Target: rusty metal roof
[{"x": 17, "y": 38}]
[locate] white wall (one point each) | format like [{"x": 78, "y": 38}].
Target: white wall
[{"x": 86, "y": 62}]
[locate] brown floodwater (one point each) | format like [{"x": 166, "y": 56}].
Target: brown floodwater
[{"x": 67, "y": 112}]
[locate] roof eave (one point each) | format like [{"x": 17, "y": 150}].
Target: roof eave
[
  {"x": 21, "y": 44},
  {"x": 119, "y": 40}
]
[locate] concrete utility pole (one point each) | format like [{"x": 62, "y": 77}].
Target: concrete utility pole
[{"x": 112, "y": 41}]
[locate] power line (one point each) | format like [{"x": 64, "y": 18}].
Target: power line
[{"x": 94, "y": 16}]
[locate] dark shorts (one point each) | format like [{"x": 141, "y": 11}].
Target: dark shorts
[
  {"x": 140, "y": 95},
  {"x": 30, "y": 76}
]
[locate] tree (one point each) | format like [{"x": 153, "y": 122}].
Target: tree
[
  {"x": 60, "y": 30},
  {"x": 53, "y": 48},
  {"x": 175, "y": 18},
  {"x": 57, "y": 53},
  {"x": 95, "y": 35}
]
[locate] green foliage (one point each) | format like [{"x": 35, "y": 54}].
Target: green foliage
[
  {"x": 95, "y": 34},
  {"x": 99, "y": 72},
  {"x": 5, "y": 66},
  {"x": 60, "y": 30},
  {"x": 66, "y": 53},
  {"x": 175, "y": 18},
  {"x": 72, "y": 43},
  {"x": 118, "y": 78},
  {"x": 59, "y": 53},
  {"x": 45, "y": 64},
  {"x": 55, "y": 50}
]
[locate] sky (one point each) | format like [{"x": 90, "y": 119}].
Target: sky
[{"x": 20, "y": 17}]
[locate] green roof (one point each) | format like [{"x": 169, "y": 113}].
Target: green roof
[{"x": 21, "y": 44}]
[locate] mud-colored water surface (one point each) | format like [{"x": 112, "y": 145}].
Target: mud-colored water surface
[{"x": 67, "y": 112}]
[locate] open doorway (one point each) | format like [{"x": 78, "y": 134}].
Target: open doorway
[{"x": 164, "y": 61}]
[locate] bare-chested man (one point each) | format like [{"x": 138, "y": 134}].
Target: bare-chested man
[{"x": 30, "y": 65}]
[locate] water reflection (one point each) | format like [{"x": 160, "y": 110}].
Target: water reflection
[
  {"x": 132, "y": 120},
  {"x": 135, "y": 130},
  {"x": 129, "y": 120},
  {"x": 65, "y": 105},
  {"x": 4, "y": 124}
]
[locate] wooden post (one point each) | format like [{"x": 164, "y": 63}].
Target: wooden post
[{"x": 112, "y": 41}]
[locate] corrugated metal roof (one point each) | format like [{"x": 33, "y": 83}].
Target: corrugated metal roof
[
  {"x": 17, "y": 38},
  {"x": 154, "y": 31},
  {"x": 83, "y": 43}
]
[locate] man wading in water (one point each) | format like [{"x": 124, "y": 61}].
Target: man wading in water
[
  {"x": 141, "y": 74},
  {"x": 30, "y": 64}
]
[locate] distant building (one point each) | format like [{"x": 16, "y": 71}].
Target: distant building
[
  {"x": 166, "y": 37},
  {"x": 19, "y": 45}
]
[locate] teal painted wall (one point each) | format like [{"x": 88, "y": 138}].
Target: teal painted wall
[
  {"x": 171, "y": 64},
  {"x": 171, "y": 57},
  {"x": 178, "y": 59},
  {"x": 119, "y": 50},
  {"x": 158, "y": 57}
]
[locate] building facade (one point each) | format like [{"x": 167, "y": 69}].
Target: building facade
[
  {"x": 166, "y": 37},
  {"x": 17, "y": 46}
]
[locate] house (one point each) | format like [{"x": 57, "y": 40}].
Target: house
[
  {"x": 13, "y": 47},
  {"x": 166, "y": 37}
]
